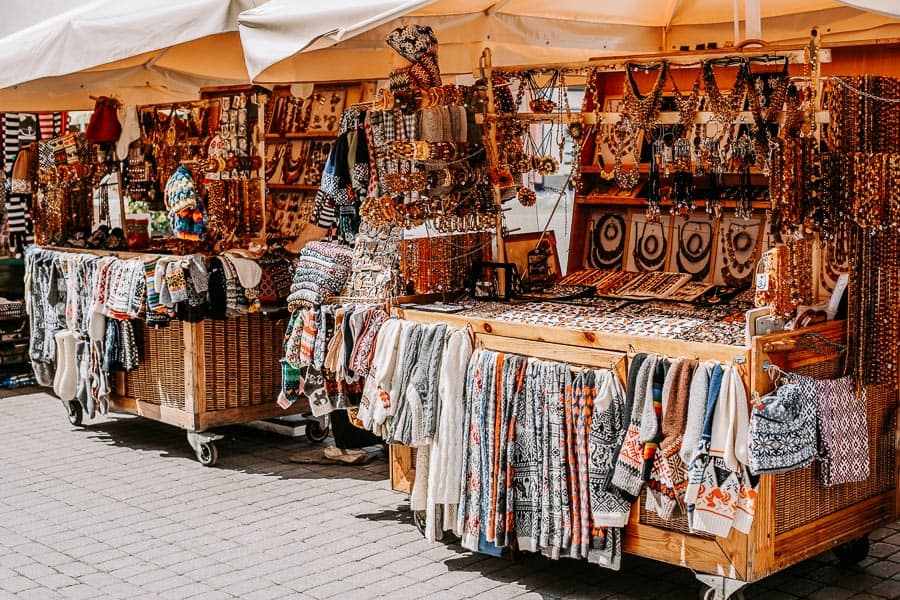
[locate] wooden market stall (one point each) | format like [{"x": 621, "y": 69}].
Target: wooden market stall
[
  {"x": 202, "y": 374},
  {"x": 797, "y": 515}
]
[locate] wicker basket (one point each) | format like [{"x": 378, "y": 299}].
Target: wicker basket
[{"x": 241, "y": 363}]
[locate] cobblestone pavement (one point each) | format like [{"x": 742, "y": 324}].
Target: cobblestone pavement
[{"x": 121, "y": 509}]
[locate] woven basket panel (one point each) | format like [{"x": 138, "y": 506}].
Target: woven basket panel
[
  {"x": 242, "y": 355},
  {"x": 817, "y": 499},
  {"x": 678, "y": 523},
  {"x": 160, "y": 377}
]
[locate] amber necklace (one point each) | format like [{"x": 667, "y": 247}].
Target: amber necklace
[{"x": 643, "y": 110}]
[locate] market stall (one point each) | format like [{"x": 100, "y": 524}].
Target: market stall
[
  {"x": 712, "y": 238},
  {"x": 171, "y": 310}
]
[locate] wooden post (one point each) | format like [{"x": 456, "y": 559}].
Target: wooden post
[{"x": 491, "y": 147}]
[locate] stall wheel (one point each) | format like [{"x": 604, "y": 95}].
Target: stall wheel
[
  {"x": 74, "y": 412},
  {"x": 316, "y": 432},
  {"x": 207, "y": 454},
  {"x": 708, "y": 593},
  {"x": 853, "y": 551}
]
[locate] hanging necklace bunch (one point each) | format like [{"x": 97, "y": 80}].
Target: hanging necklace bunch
[
  {"x": 682, "y": 194},
  {"x": 541, "y": 95},
  {"x": 725, "y": 109},
  {"x": 641, "y": 110}
]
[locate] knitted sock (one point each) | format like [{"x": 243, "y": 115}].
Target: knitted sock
[
  {"x": 176, "y": 282},
  {"x": 65, "y": 385},
  {"x": 630, "y": 462},
  {"x": 746, "y": 503},
  {"x": 290, "y": 383},
  {"x": 716, "y": 506}
]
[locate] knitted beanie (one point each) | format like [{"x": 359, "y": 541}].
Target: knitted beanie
[
  {"x": 412, "y": 42},
  {"x": 185, "y": 211}
]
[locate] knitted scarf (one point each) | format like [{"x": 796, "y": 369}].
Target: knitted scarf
[
  {"x": 446, "y": 459},
  {"x": 607, "y": 432}
]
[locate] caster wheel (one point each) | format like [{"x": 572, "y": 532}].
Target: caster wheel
[
  {"x": 712, "y": 594},
  {"x": 853, "y": 551},
  {"x": 316, "y": 432},
  {"x": 74, "y": 412},
  {"x": 207, "y": 454}
]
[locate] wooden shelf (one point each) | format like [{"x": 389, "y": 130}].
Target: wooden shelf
[
  {"x": 607, "y": 199},
  {"x": 666, "y": 117},
  {"x": 291, "y": 186},
  {"x": 302, "y": 135}
]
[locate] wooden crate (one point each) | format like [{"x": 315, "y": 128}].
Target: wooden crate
[{"x": 402, "y": 461}]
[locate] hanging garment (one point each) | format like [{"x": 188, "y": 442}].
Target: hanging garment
[
  {"x": 783, "y": 428},
  {"x": 843, "y": 430},
  {"x": 628, "y": 474},
  {"x": 607, "y": 432},
  {"x": 445, "y": 467}
]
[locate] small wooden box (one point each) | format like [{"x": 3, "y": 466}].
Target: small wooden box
[{"x": 402, "y": 461}]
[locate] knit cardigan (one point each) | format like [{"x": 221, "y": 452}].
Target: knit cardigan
[{"x": 446, "y": 457}]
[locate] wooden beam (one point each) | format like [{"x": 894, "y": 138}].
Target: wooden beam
[
  {"x": 582, "y": 338},
  {"x": 155, "y": 412},
  {"x": 244, "y": 414},
  {"x": 824, "y": 534}
]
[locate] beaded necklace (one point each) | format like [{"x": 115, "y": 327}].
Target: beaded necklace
[{"x": 643, "y": 110}]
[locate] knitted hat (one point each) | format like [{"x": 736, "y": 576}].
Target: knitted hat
[
  {"x": 185, "y": 210},
  {"x": 180, "y": 191},
  {"x": 412, "y": 42}
]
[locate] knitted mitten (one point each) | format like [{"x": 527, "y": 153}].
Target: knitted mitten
[{"x": 176, "y": 282}]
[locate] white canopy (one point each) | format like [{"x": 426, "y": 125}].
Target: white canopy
[
  {"x": 135, "y": 50},
  {"x": 157, "y": 52},
  {"x": 524, "y": 31}
]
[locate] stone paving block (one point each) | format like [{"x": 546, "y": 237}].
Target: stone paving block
[
  {"x": 16, "y": 584},
  {"x": 55, "y": 581},
  {"x": 75, "y": 569},
  {"x": 889, "y": 588},
  {"x": 833, "y": 593},
  {"x": 80, "y": 592},
  {"x": 883, "y": 549},
  {"x": 35, "y": 570}
]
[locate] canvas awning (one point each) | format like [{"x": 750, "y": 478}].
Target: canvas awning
[
  {"x": 158, "y": 52},
  {"x": 135, "y": 50},
  {"x": 280, "y": 42}
]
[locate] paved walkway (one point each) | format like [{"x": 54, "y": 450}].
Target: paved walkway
[{"x": 122, "y": 509}]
